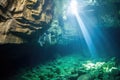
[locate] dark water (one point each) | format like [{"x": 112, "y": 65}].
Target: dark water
[{"x": 14, "y": 57}]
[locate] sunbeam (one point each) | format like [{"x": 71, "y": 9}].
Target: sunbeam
[
  {"x": 84, "y": 30},
  {"x": 86, "y": 36}
]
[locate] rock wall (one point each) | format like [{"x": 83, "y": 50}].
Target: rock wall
[{"x": 23, "y": 21}]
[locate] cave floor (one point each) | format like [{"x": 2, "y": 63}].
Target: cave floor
[{"x": 72, "y": 67}]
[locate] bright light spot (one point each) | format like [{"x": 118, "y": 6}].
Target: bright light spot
[
  {"x": 113, "y": 68},
  {"x": 108, "y": 69},
  {"x": 90, "y": 65},
  {"x": 73, "y": 6},
  {"x": 64, "y": 17},
  {"x": 99, "y": 65}
]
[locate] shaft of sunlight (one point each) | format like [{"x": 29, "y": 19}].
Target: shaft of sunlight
[
  {"x": 86, "y": 36},
  {"x": 73, "y": 6}
]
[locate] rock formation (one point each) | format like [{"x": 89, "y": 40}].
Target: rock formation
[{"x": 24, "y": 21}]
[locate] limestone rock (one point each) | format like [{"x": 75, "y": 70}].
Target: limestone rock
[{"x": 23, "y": 21}]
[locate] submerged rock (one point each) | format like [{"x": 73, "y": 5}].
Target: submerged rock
[
  {"x": 85, "y": 77},
  {"x": 24, "y": 21}
]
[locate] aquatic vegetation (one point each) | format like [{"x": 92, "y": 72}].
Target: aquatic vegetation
[
  {"x": 102, "y": 70},
  {"x": 73, "y": 68},
  {"x": 104, "y": 66}
]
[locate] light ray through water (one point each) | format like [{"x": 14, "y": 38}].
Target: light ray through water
[
  {"x": 86, "y": 36},
  {"x": 84, "y": 30}
]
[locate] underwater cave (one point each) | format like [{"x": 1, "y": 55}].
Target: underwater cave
[{"x": 59, "y": 40}]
